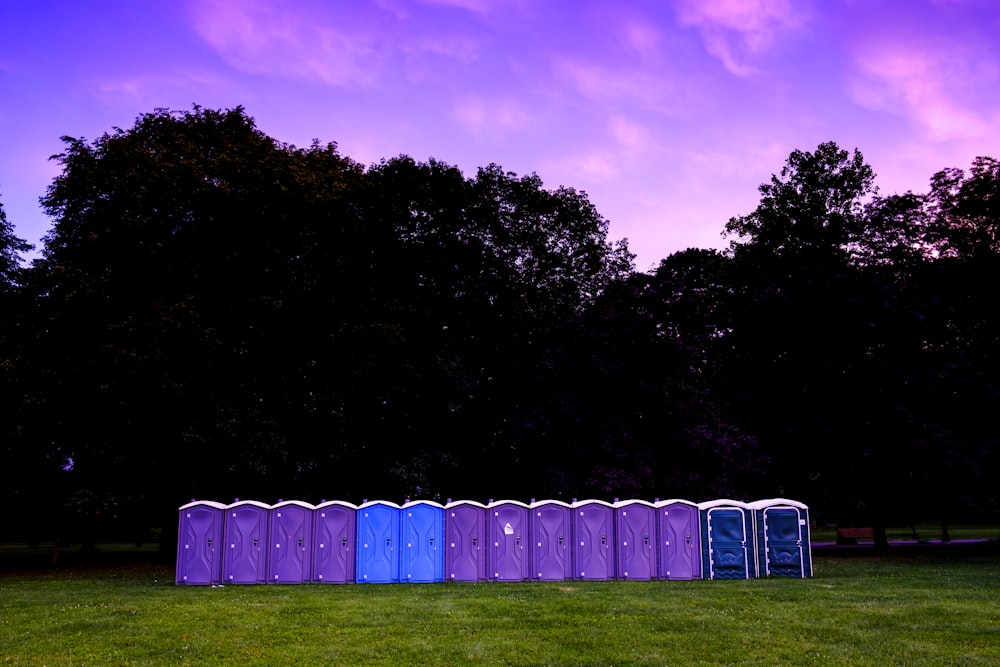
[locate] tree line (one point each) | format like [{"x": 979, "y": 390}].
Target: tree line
[{"x": 216, "y": 314}]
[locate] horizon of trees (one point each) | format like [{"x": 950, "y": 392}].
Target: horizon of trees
[{"x": 216, "y": 314}]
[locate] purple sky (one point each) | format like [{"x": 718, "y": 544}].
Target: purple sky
[{"x": 668, "y": 113}]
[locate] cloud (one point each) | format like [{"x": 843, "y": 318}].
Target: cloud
[
  {"x": 641, "y": 37},
  {"x": 649, "y": 89},
  {"x": 263, "y": 37},
  {"x": 938, "y": 87},
  {"x": 736, "y": 32},
  {"x": 151, "y": 90},
  {"x": 491, "y": 118}
]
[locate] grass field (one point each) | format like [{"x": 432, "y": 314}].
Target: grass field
[{"x": 915, "y": 606}]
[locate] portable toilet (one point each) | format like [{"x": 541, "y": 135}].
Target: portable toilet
[
  {"x": 550, "y": 527},
  {"x": 199, "y": 543},
  {"x": 422, "y": 544},
  {"x": 678, "y": 539},
  {"x": 290, "y": 542},
  {"x": 465, "y": 541},
  {"x": 507, "y": 526},
  {"x": 727, "y": 540},
  {"x": 635, "y": 533},
  {"x": 782, "y": 537},
  {"x": 334, "y": 538},
  {"x": 378, "y": 536},
  {"x": 245, "y": 557},
  {"x": 593, "y": 540}
]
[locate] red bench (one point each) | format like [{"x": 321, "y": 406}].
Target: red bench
[{"x": 852, "y": 535}]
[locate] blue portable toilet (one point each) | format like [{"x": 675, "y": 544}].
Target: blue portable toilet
[
  {"x": 378, "y": 540},
  {"x": 727, "y": 540},
  {"x": 245, "y": 557},
  {"x": 678, "y": 539},
  {"x": 334, "y": 538},
  {"x": 290, "y": 542},
  {"x": 550, "y": 529},
  {"x": 635, "y": 539},
  {"x": 465, "y": 540},
  {"x": 507, "y": 525},
  {"x": 593, "y": 540},
  {"x": 199, "y": 543},
  {"x": 422, "y": 542},
  {"x": 782, "y": 537}
]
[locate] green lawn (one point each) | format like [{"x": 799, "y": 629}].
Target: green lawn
[{"x": 912, "y": 607}]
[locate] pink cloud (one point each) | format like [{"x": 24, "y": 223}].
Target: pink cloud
[
  {"x": 650, "y": 88},
  {"x": 934, "y": 86},
  {"x": 492, "y": 118},
  {"x": 736, "y": 32},
  {"x": 264, "y": 38}
]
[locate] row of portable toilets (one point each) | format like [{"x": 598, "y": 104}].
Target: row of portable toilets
[{"x": 335, "y": 542}]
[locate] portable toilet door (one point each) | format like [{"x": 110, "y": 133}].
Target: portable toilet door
[
  {"x": 245, "y": 557},
  {"x": 422, "y": 543},
  {"x": 727, "y": 540},
  {"x": 378, "y": 537},
  {"x": 199, "y": 543},
  {"x": 507, "y": 522},
  {"x": 550, "y": 525},
  {"x": 678, "y": 539},
  {"x": 782, "y": 532},
  {"x": 290, "y": 542},
  {"x": 465, "y": 538},
  {"x": 593, "y": 540},
  {"x": 635, "y": 533},
  {"x": 334, "y": 538}
]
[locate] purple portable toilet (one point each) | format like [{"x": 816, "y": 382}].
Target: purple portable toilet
[
  {"x": 245, "y": 557},
  {"x": 290, "y": 542},
  {"x": 378, "y": 538},
  {"x": 550, "y": 524},
  {"x": 679, "y": 539},
  {"x": 782, "y": 537},
  {"x": 199, "y": 543},
  {"x": 727, "y": 540},
  {"x": 421, "y": 527},
  {"x": 593, "y": 540},
  {"x": 334, "y": 538},
  {"x": 507, "y": 523},
  {"x": 465, "y": 538},
  {"x": 635, "y": 532}
]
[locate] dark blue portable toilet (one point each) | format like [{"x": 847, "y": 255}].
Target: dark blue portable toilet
[
  {"x": 378, "y": 541},
  {"x": 199, "y": 543},
  {"x": 465, "y": 539},
  {"x": 727, "y": 540},
  {"x": 678, "y": 539},
  {"x": 422, "y": 544},
  {"x": 290, "y": 542},
  {"x": 334, "y": 526},
  {"x": 593, "y": 540},
  {"x": 782, "y": 537},
  {"x": 635, "y": 539},
  {"x": 550, "y": 526},
  {"x": 245, "y": 557},
  {"x": 507, "y": 524}
]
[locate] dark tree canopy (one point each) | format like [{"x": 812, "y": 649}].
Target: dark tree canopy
[{"x": 218, "y": 314}]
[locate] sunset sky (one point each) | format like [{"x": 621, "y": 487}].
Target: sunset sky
[{"x": 668, "y": 113}]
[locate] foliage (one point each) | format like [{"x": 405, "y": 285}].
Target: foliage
[{"x": 217, "y": 314}]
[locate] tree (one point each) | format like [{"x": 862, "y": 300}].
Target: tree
[
  {"x": 493, "y": 270},
  {"x": 11, "y": 250},
  {"x": 178, "y": 293},
  {"x": 802, "y": 332},
  {"x": 16, "y": 454},
  {"x": 250, "y": 318}
]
